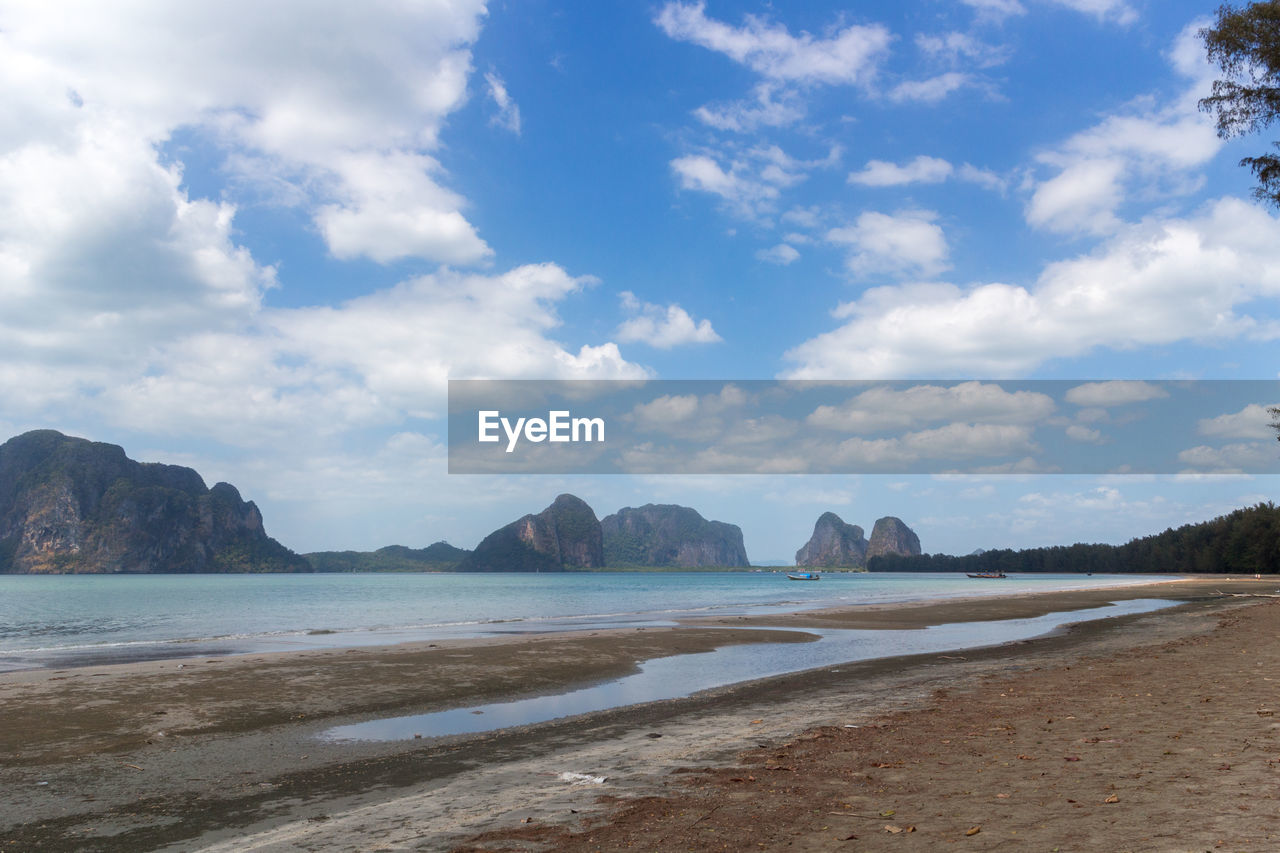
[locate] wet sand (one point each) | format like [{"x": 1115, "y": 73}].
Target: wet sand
[{"x": 221, "y": 753}]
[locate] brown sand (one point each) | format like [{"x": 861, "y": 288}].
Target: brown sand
[{"x": 221, "y": 754}]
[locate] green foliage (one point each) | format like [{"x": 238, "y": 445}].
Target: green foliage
[
  {"x": 624, "y": 548},
  {"x": 1245, "y": 44},
  {"x": 504, "y": 551},
  {"x": 439, "y": 557},
  {"x": 1246, "y": 541}
]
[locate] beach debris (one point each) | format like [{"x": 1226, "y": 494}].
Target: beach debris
[
  {"x": 756, "y": 722},
  {"x": 855, "y": 814},
  {"x": 581, "y": 778},
  {"x": 1070, "y": 758},
  {"x": 1112, "y": 799},
  {"x": 477, "y": 712},
  {"x": 42, "y": 783},
  {"x": 890, "y": 828},
  {"x": 1002, "y": 796},
  {"x": 653, "y": 735},
  {"x": 134, "y": 766},
  {"x": 888, "y": 813},
  {"x": 973, "y": 830}
]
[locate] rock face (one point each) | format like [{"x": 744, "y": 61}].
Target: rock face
[
  {"x": 565, "y": 535},
  {"x": 69, "y": 505},
  {"x": 834, "y": 544},
  {"x": 670, "y": 535},
  {"x": 891, "y": 536}
]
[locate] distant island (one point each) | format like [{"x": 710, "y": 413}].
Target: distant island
[
  {"x": 565, "y": 535},
  {"x": 671, "y": 536},
  {"x": 437, "y": 557},
  {"x": 835, "y": 544},
  {"x": 73, "y": 506},
  {"x": 69, "y": 505}
]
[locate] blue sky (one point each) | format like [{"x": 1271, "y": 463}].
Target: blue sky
[{"x": 258, "y": 238}]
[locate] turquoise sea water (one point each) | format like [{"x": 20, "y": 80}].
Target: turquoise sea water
[{"x": 71, "y": 620}]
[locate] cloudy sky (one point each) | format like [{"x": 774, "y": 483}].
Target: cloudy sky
[{"x": 258, "y": 239}]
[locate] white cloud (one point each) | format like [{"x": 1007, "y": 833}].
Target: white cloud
[
  {"x": 1101, "y": 498},
  {"x": 774, "y": 106},
  {"x": 996, "y": 9},
  {"x": 101, "y": 254},
  {"x": 1117, "y": 392},
  {"x": 881, "y": 408},
  {"x": 125, "y": 299},
  {"x": 1253, "y": 421},
  {"x": 1154, "y": 283},
  {"x": 984, "y": 178},
  {"x": 391, "y": 209},
  {"x": 953, "y": 441},
  {"x": 666, "y": 410},
  {"x": 1147, "y": 153},
  {"x": 848, "y": 57},
  {"x": 700, "y": 172},
  {"x": 958, "y": 48},
  {"x": 923, "y": 169},
  {"x": 908, "y": 243},
  {"x": 370, "y": 361},
  {"x": 1250, "y": 456},
  {"x": 781, "y": 254},
  {"x": 1084, "y": 434},
  {"x": 1082, "y": 197},
  {"x": 362, "y": 88},
  {"x": 662, "y": 328},
  {"x": 1118, "y": 11},
  {"x": 508, "y": 114},
  {"x": 751, "y": 180},
  {"x": 932, "y": 89}
]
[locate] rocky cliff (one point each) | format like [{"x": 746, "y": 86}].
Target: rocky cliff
[
  {"x": 891, "y": 536},
  {"x": 669, "y": 535},
  {"x": 834, "y": 544},
  {"x": 73, "y": 505},
  {"x": 565, "y": 535}
]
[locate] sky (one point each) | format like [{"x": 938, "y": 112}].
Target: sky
[{"x": 259, "y": 239}]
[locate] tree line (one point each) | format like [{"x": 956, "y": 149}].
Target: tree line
[{"x": 1246, "y": 541}]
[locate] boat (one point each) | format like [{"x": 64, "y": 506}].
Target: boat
[
  {"x": 986, "y": 574},
  {"x": 803, "y": 576}
]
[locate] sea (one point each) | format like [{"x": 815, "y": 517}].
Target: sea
[{"x": 63, "y": 621}]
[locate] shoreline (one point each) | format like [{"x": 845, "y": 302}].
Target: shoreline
[
  {"x": 319, "y": 640},
  {"x": 233, "y": 739}
]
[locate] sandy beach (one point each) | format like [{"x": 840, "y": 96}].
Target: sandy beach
[{"x": 1144, "y": 732}]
